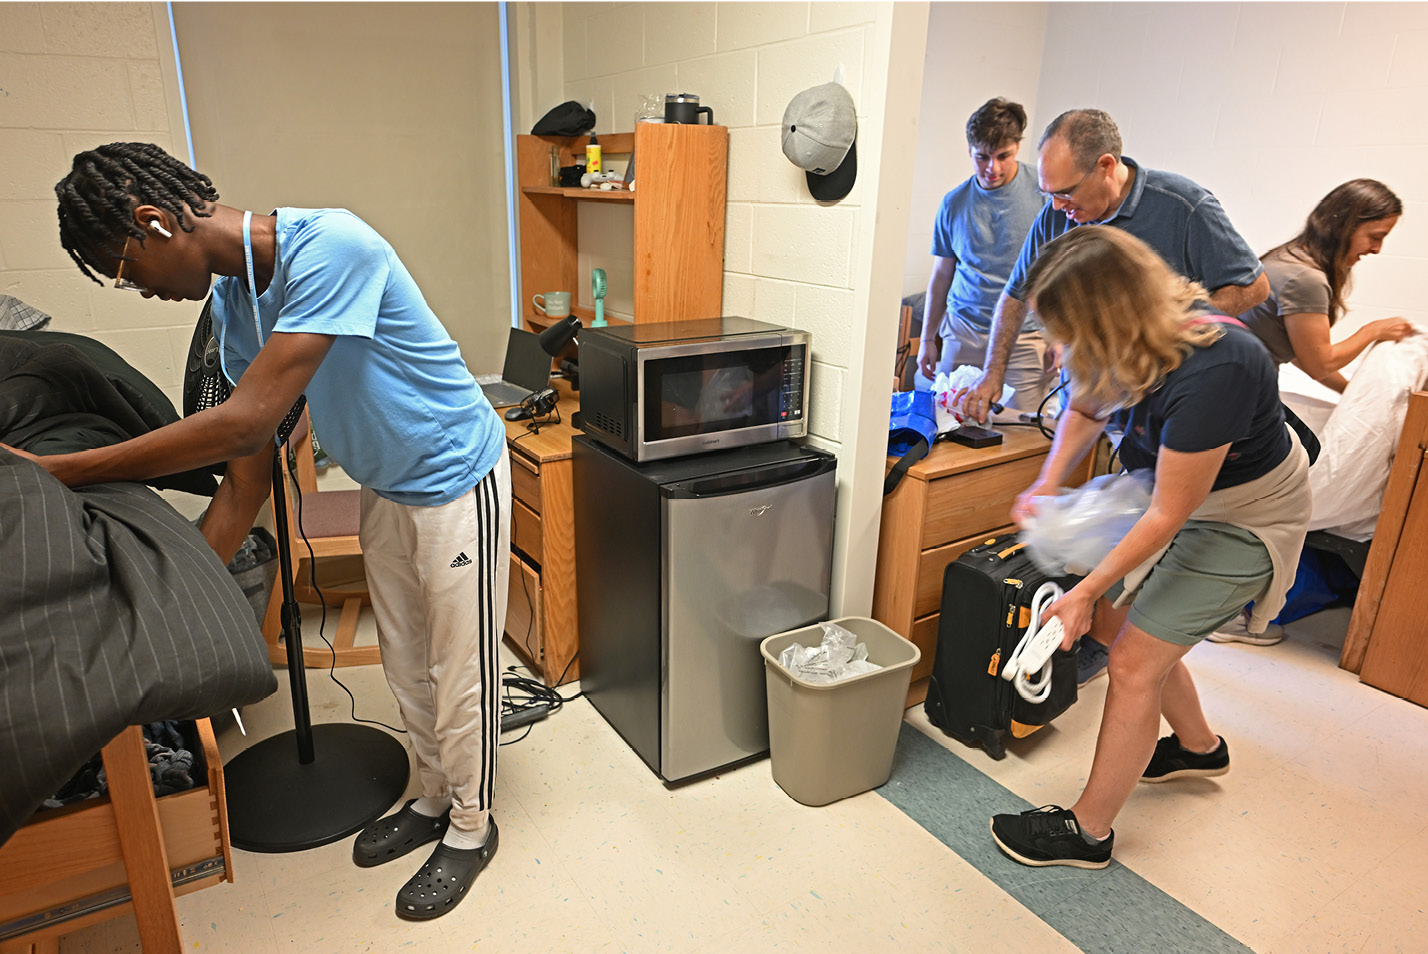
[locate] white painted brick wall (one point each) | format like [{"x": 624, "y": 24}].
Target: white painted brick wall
[
  {"x": 73, "y": 76},
  {"x": 786, "y": 257}
]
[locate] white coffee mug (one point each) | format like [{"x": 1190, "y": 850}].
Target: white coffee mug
[{"x": 552, "y": 304}]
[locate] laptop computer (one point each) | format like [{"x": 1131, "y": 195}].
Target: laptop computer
[{"x": 527, "y": 369}]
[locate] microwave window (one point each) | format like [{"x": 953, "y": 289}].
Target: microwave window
[{"x": 703, "y": 394}]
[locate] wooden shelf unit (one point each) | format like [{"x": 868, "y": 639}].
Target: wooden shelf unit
[
  {"x": 678, "y": 202},
  {"x": 678, "y": 208}
]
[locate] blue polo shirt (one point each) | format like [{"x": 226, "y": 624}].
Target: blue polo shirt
[
  {"x": 392, "y": 401},
  {"x": 982, "y": 231},
  {"x": 1184, "y": 223}
]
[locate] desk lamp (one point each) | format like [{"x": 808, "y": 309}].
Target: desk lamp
[
  {"x": 558, "y": 336},
  {"x": 344, "y": 776}
]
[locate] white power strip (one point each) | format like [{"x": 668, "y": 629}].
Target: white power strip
[{"x": 1028, "y": 668}]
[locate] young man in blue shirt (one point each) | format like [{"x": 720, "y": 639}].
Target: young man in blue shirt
[
  {"x": 979, "y": 231},
  {"x": 316, "y": 303}
]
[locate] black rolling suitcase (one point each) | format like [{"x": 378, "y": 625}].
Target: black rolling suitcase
[{"x": 986, "y": 606}]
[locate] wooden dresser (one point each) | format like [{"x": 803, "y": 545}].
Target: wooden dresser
[
  {"x": 540, "y": 606},
  {"x": 950, "y": 501}
]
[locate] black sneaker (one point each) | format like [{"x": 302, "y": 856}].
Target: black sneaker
[
  {"x": 1172, "y": 760},
  {"x": 1049, "y": 835}
]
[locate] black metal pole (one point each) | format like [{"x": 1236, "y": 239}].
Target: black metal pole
[
  {"x": 278, "y": 804},
  {"x": 291, "y": 615}
]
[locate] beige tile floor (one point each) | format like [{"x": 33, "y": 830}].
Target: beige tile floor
[{"x": 1316, "y": 842}]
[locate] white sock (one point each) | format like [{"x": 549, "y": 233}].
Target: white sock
[
  {"x": 467, "y": 840},
  {"x": 431, "y": 807}
]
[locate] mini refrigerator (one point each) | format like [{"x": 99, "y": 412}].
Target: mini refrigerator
[{"x": 683, "y": 567}]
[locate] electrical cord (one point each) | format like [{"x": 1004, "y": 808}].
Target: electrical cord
[
  {"x": 526, "y": 695},
  {"x": 1028, "y": 668},
  {"x": 290, "y": 463},
  {"x": 534, "y": 425}
]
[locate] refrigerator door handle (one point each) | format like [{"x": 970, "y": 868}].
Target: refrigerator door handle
[{"x": 738, "y": 482}]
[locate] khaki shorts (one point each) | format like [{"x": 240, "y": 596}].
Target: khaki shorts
[{"x": 1208, "y": 575}]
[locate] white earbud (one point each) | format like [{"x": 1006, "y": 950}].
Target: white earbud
[{"x": 154, "y": 224}]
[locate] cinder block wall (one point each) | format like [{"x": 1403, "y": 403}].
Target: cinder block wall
[
  {"x": 73, "y": 76},
  {"x": 786, "y": 259}
]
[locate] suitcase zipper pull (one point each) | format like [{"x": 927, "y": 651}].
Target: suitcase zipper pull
[{"x": 996, "y": 663}]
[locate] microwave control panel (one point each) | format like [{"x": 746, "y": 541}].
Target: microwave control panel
[{"x": 791, "y": 400}]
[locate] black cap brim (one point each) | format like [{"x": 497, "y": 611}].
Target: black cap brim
[{"x": 838, "y": 183}]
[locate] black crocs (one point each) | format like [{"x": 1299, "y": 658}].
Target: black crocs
[
  {"x": 397, "y": 834},
  {"x": 441, "y": 883}
]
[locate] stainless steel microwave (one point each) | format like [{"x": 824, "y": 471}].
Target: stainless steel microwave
[{"x": 666, "y": 390}]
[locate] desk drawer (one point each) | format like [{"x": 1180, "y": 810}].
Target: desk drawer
[
  {"x": 975, "y": 503},
  {"x": 932, "y": 566},
  {"x": 68, "y": 864},
  {"x": 524, "y": 614},
  {"x": 525, "y": 482},
  {"x": 525, "y": 530}
]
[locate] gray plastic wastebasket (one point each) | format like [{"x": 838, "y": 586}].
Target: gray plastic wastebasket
[{"x": 831, "y": 740}]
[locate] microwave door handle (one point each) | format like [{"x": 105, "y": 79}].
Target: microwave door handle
[{"x": 738, "y": 482}]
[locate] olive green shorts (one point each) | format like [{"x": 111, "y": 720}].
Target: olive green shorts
[{"x": 1208, "y": 575}]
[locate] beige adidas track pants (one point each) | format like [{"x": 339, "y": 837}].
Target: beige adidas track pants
[{"x": 438, "y": 576}]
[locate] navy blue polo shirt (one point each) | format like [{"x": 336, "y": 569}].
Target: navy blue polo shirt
[{"x": 1184, "y": 223}]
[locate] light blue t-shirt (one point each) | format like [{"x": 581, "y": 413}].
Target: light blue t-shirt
[
  {"x": 983, "y": 231},
  {"x": 393, "y": 401}
]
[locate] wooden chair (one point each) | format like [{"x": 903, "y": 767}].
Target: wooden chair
[
  {"x": 906, "y": 348},
  {"x": 330, "y": 519}
]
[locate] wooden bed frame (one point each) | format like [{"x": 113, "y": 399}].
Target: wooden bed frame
[
  {"x": 126, "y": 852},
  {"x": 1387, "y": 642}
]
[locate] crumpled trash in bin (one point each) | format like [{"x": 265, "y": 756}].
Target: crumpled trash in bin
[{"x": 839, "y": 656}]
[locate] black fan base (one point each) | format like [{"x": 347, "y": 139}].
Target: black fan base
[{"x": 277, "y": 804}]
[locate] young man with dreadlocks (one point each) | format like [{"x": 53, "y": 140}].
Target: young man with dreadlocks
[{"x": 314, "y": 301}]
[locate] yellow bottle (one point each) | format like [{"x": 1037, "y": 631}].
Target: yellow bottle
[{"x": 592, "y": 156}]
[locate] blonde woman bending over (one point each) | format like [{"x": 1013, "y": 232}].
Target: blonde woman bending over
[{"x": 1198, "y": 400}]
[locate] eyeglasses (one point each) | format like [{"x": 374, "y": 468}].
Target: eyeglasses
[
  {"x": 1066, "y": 196},
  {"x": 119, "y": 280}
]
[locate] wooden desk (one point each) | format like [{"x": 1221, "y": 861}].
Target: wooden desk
[
  {"x": 950, "y": 501},
  {"x": 540, "y": 606}
]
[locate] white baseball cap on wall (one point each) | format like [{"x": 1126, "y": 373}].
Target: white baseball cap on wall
[{"x": 820, "y": 131}]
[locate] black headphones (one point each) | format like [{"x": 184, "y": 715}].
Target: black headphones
[{"x": 542, "y": 402}]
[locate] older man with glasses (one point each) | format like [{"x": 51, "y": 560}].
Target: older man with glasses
[{"x": 1089, "y": 182}]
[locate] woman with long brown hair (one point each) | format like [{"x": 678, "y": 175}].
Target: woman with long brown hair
[
  {"x": 1197, "y": 398},
  {"x": 1311, "y": 273}
]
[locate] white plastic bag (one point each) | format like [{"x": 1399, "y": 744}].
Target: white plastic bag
[
  {"x": 947, "y": 384},
  {"x": 839, "y": 656},
  {"x": 1073, "y": 531}
]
